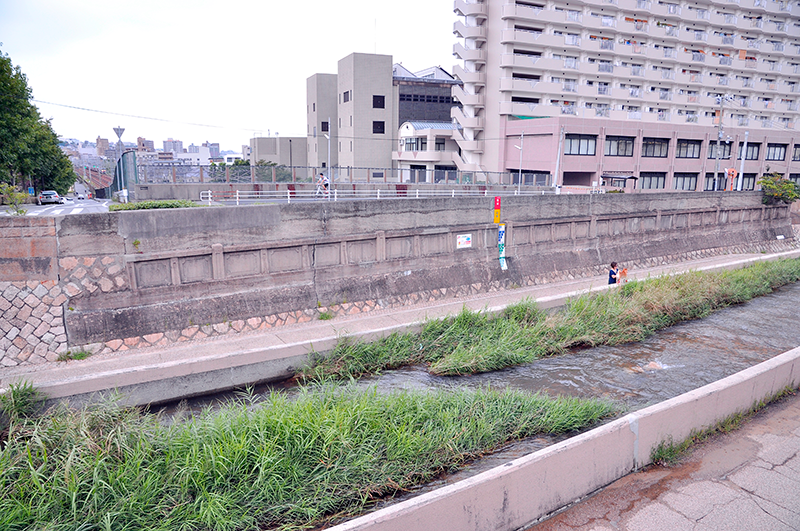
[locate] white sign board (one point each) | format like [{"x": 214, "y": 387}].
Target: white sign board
[
  {"x": 463, "y": 241},
  {"x": 501, "y": 245}
]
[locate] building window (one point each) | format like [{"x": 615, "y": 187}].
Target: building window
[
  {"x": 314, "y": 107},
  {"x": 685, "y": 181},
  {"x": 655, "y": 147},
  {"x": 324, "y": 127},
  {"x": 776, "y": 152},
  {"x": 378, "y": 102},
  {"x": 416, "y": 144},
  {"x": 795, "y": 178},
  {"x": 724, "y": 153},
  {"x": 652, "y": 180},
  {"x": 749, "y": 182},
  {"x": 796, "y": 152},
  {"x": 378, "y": 128},
  {"x": 688, "y": 149},
  {"x": 439, "y": 146},
  {"x": 346, "y": 96},
  {"x": 752, "y": 151},
  {"x": 720, "y": 183},
  {"x": 580, "y": 144},
  {"x": 619, "y": 146}
]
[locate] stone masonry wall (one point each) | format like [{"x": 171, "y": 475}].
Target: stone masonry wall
[{"x": 110, "y": 283}]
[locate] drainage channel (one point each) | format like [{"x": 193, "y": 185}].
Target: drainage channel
[{"x": 672, "y": 362}]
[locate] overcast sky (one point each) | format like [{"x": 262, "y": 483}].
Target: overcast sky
[{"x": 221, "y": 71}]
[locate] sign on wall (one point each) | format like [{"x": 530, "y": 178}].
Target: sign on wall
[
  {"x": 463, "y": 241},
  {"x": 501, "y": 245},
  {"x": 497, "y": 209}
]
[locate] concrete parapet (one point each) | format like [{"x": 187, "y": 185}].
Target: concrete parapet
[{"x": 521, "y": 492}]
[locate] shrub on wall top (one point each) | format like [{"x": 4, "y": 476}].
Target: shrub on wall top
[{"x": 143, "y": 205}]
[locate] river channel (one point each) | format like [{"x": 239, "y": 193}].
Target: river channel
[{"x": 672, "y": 362}]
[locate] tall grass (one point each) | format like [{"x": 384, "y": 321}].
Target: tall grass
[
  {"x": 473, "y": 342},
  {"x": 279, "y": 464}
]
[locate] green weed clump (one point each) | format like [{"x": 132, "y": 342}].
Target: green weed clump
[
  {"x": 474, "y": 342},
  {"x": 146, "y": 205},
  {"x": 283, "y": 463}
]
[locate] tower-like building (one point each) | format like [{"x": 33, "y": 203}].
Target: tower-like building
[{"x": 629, "y": 92}]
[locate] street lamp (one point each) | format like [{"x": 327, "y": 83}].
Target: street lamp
[
  {"x": 519, "y": 147},
  {"x": 330, "y": 177}
]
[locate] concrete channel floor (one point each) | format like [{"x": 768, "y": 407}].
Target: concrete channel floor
[{"x": 748, "y": 479}]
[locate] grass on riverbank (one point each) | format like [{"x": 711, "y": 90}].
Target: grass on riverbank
[
  {"x": 282, "y": 464},
  {"x": 474, "y": 342}
]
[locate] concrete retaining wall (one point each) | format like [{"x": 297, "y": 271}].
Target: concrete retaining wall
[
  {"x": 521, "y": 492},
  {"x": 140, "y": 278}
]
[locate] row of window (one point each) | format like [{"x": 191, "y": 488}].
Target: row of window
[
  {"x": 622, "y": 146},
  {"x": 427, "y": 98},
  {"x": 688, "y": 181}
]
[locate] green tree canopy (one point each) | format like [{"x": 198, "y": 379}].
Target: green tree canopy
[{"x": 28, "y": 145}]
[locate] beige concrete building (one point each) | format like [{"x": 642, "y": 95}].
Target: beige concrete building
[
  {"x": 366, "y": 119},
  {"x": 601, "y": 91},
  {"x": 322, "y": 118}
]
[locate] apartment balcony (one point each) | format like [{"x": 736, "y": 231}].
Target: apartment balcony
[
  {"x": 475, "y": 100},
  {"x": 475, "y": 78},
  {"x": 668, "y": 31},
  {"x": 467, "y": 122},
  {"x": 743, "y": 121},
  {"x": 528, "y": 87},
  {"x": 530, "y": 62},
  {"x": 469, "y": 32},
  {"x": 635, "y": 28},
  {"x": 791, "y": 106},
  {"x": 599, "y": 23},
  {"x": 512, "y": 36},
  {"x": 520, "y": 12},
  {"x": 475, "y": 146},
  {"x": 527, "y": 109},
  {"x": 666, "y": 10},
  {"x": 465, "y": 54},
  {"x": 423, "y": 156},
  {"x": 466, "y": 9},
  {"x": 725, "y": 61},
  {"x": 724, "y": 19}
]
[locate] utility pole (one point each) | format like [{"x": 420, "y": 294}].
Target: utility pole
[
  {"x": 519, "y": 147},
  {"x": 740, "y": 177},
  {"x": 721, "y": 101}
]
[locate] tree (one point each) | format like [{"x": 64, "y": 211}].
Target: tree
[
  {"x": 28, "y": 145},
  {"x": 778, "y": 190}
]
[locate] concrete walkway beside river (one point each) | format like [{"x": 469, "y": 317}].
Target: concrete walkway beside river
[{"x": 745, "y": 480}]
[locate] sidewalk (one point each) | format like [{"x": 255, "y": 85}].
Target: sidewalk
[
  {"x": 744, "y": 480},
  {"x": 209, "y": 365}
]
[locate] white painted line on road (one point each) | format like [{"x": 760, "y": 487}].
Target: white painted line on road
[
  {"x": 77, "y": 210},
  {"x": 57, "y": 211}
]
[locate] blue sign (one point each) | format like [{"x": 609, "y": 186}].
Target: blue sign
[{"x": 30, "y": 191}]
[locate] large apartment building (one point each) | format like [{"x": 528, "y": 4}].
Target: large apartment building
[{"x": 629, "y": 92}]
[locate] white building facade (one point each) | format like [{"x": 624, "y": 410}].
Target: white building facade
[{"x": 628, "y": 92}]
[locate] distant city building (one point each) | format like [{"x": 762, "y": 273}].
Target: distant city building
[
  {"x": 196, "y": 155},
  {"x": 143, "y": 144},
  {"x": 213, "y": 148},
  {"x": 193, "y": 149},
  {"x": 175, "y": 146},
  {"x": 102, "y": 146}
]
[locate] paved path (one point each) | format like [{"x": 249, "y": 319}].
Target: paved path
[{"x": 745, "y": 480}]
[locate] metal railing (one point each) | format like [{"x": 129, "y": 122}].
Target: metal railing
[{"x": 288, "y": 196}]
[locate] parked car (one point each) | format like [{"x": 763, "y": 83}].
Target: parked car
[
  {"x": 50, "y": 196},
  {"x": 80, "y": 196}
]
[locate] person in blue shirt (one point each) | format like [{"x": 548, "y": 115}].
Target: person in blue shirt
[{"x": 613, "y": 274}]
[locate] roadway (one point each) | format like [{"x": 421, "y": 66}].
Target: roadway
[{"x": 69, "y": 207}]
